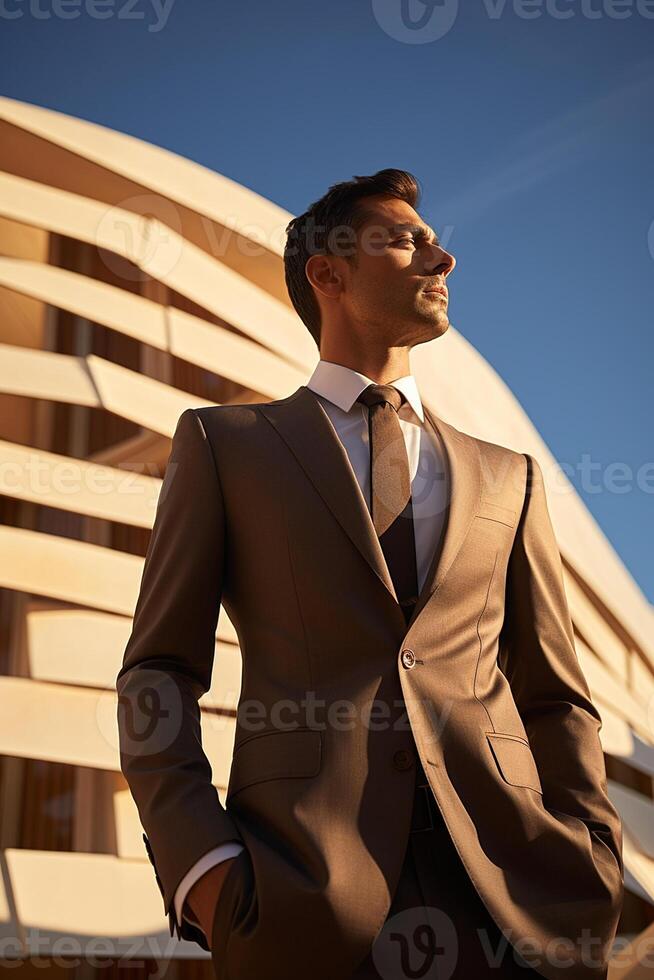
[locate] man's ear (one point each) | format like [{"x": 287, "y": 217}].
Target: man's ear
[{"x": 325, "y": 275}]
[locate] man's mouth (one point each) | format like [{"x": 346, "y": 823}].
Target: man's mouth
[{"x": 437, "y": 291}]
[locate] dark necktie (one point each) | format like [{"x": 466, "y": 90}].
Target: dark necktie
[{"x": 391, "y": 508}]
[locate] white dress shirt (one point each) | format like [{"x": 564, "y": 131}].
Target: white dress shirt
[{"x": 337, "y": 388}]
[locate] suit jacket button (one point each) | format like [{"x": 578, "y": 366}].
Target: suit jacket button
[
  {"x": 408, "y": 659},
  {"x": 402, "y": 759}
]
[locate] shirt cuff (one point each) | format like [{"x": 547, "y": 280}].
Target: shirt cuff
[{"x": 207, "y": 861}]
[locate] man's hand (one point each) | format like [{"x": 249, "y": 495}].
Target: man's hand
[{"x": 203, "y": 896}]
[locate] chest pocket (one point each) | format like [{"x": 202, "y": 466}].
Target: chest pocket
[{"x": 490, "y": 511}]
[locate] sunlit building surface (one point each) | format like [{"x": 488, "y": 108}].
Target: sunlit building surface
[{"x": 134, "y": 284}]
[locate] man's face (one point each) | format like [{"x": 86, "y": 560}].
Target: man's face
[{"x": 390, "y": 293}]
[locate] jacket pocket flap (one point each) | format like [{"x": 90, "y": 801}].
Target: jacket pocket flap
[
  {"x": 275, "y": 755},
  {"x": 515, "y": 760}
]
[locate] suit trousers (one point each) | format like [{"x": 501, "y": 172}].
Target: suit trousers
[{"x": 438, "y": 927}]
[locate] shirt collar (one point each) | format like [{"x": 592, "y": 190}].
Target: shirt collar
[{"x": 342, "y": 386}]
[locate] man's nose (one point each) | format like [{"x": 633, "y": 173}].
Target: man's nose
[{"x": 442, "y": 261}]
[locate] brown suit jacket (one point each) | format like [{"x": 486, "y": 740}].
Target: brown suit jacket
[{"x": 259, "y": 510}]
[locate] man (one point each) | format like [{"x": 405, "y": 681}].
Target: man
[{"x": 417, "y": 786}]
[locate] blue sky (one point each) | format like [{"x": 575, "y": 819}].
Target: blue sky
[{"x": 529, "y": 123}]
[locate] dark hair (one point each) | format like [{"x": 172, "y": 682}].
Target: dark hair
[{"x": 315, "y": 232}]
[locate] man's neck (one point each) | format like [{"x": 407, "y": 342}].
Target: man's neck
[{"x": 384, "y": 369}]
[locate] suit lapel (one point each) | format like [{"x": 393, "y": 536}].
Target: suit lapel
[{"x": 307, "y": 430}]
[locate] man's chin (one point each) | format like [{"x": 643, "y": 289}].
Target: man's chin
[
  {"x": 439, "y": 327},
  {"x": 433, "y": 330}
]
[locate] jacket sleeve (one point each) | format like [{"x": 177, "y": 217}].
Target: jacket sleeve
[
  {"x": 167, "y": 667},
  {"x": 539, "y": 659}
]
